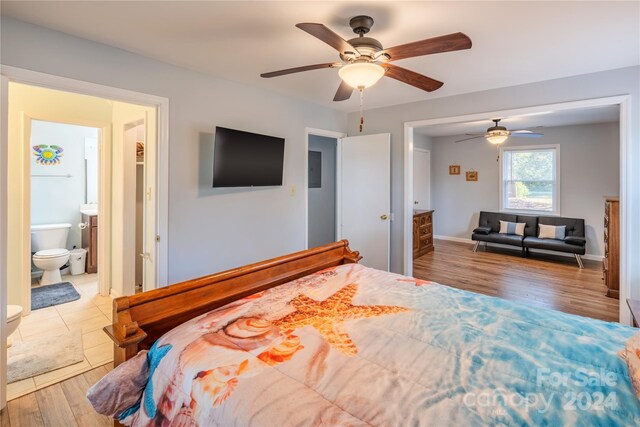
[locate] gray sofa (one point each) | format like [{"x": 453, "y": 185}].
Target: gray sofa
[{"x": 573, "y": 243}]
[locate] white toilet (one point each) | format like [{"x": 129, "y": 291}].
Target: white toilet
[
  {"x": 14, "y": 315},
  {"x": 49, "y": 242}
]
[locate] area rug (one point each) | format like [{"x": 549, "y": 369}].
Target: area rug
[
  {"x": 48, "y": 295},
  {"x": 38, "y": 356}
]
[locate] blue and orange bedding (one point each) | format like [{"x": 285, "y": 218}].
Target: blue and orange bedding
[{"x": 357, "y": 346}]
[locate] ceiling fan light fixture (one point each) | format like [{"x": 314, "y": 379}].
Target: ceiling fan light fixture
[
  {"x": 497, "y": 137},
  {"x": 361, "y": 74}
]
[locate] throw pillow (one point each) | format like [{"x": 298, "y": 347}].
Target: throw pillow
[
  {"x": 552, "y": 231},
  {"x": 512, "y": 228},
  {"x": 121, "y": 388}
]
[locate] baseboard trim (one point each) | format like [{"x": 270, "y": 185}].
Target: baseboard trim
[
  {"x": 454, "y": 239},
  {"x": 590, "y": 257}
]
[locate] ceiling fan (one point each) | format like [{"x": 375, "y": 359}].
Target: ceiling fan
[
  {"x": 497, "y": 134},
  {"x": 364, "y": 61}
]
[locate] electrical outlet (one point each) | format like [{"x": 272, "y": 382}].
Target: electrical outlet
[{"x": 292, "y": 191}]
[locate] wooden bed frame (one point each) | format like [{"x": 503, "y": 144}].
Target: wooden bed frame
[{"x": 139, "y": 320}]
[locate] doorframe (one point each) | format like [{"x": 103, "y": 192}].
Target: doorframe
[
  {"x": 4, "y": 121},
  {"x": 161, "y": 104},
  {"x": 104, "y": 189},
  {"x": 423, "y": 150},
  {"x": 305, "y": 190},
  {"x": 628, "y": 181}
]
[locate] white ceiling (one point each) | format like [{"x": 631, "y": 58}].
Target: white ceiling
[
  {"x": 534, "y": 121},
  {"x": 514, "y": 42}
]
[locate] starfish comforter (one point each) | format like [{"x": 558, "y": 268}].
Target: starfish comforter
[{"x": 356, "y": 346}]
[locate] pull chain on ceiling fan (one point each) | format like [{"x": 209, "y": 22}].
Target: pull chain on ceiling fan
[{"x": 364, "y": 61}]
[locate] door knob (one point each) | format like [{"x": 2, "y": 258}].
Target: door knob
[
  {"x": 415, "y": 202},
  {"x": 145, "y": 255},
  {"x": 384, "y": 217}
]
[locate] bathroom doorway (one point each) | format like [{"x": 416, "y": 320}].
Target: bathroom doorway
[
  {"x": 72, "y": 159},
  {"x": 64, "y": 211}
]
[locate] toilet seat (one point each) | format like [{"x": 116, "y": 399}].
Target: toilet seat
[
  {"x": 51, "y": 253},
  {"x": 13, "y": 312}
]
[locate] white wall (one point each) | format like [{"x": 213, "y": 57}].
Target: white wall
[
  {"x": 58, "y": 199},
  {"x": 322, "y": 201},
  {"x": 607, "y": 83},
  {"x": 589, "y": 171},
  {"x": 209, "y": 229}
]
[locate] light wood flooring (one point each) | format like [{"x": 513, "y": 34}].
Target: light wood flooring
[
  {"x": 547, "y": 281},
  {"x": 62, "y": 404}
]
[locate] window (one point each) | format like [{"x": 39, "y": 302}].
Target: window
[{"x": 530, "y": 179}]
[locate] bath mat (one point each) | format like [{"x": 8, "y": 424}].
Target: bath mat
[
  {"x": 48, "y": 295},
  {"x": 34, "y": 357}
]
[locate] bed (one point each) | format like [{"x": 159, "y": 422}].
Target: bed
[{"x": 314, "y": 338}]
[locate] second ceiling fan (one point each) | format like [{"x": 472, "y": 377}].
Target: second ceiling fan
[
  {"x": 497, "y": 134},
  {"x": 364, "y": 60}
]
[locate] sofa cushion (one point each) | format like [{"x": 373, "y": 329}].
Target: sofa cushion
[
  {"x": 492, "y": 219},
  {"x": 505, "y": 239},
  {"x": 553, "y": 245},
  {"x": 482, "y": 230},
  {"x": 531, "y": 227},
  {"x": 551, "y": 231},
  {"x": 507, "y": 227}
]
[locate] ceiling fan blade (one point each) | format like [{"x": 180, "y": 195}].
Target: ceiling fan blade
[
  {"x": 344, "y": 92},
  {"x": 448, "y": 43},
  {"x": 412, "y": 78},
  {"x": 526, "y": 133},
  {"x": 323, "y": 33},
  {"x": 469, "y": 139},
  {"x": 299, "y": 69}
]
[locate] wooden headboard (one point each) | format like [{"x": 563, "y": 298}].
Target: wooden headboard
[{"x": 139, "y": 320}]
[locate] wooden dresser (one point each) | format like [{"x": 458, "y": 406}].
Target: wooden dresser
[
  {"x": 422, "y": 232},
  {"x": 611, "y": 261}
]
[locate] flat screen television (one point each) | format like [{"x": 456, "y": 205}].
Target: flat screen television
[{"x": 245, "y": 159}]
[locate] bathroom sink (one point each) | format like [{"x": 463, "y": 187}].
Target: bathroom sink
[{"x": 90, "y": 212}]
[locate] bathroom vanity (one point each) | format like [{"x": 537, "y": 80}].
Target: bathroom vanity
[{"x": 90, "y": 241}]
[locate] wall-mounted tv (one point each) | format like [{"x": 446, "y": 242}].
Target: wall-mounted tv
[{"x": 244, "y": 159}]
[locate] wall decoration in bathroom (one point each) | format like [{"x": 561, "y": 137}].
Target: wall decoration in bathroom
[
  {"x": 472, "y": 175},
  {"x": 48, "y": 154},
  {"x": 454, "y": 169}
]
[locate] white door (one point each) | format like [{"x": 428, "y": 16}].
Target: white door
[
  {"x": 139, "y": 243},
  {"x": 421, "y": 179},
  {"x": 365, "y": 197},
  {"x": 150, "y": 202}
]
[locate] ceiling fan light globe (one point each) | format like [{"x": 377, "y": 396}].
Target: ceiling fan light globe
[
  {"x": 497, "y": 137},
  {"x": 361, "y": 74}
]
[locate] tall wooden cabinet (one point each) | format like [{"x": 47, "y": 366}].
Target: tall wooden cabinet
[
  {"x": 611, "y": 261},
  {"x": 422, "y": 232}
]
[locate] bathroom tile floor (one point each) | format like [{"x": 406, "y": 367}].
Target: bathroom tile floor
[{"x": 90, "y": 314}]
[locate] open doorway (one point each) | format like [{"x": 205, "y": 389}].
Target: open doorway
[
  {"x": 321, "y": 185},
  {"x": 454, "y": 162},
  {"x": 322, "y": 168},
  {"x": 74, "y": 226},
  {"x": 64, "y": 206}
]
